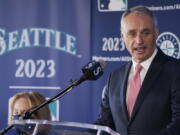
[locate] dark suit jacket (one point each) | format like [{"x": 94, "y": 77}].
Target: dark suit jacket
[{"x": 157, "y": 108}]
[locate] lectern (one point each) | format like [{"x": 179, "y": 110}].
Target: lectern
[{"x": 44, "y": 127}]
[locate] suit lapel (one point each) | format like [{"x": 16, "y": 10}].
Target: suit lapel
[
  {"x": 123, "y": 90},
  {"x": 150, "y": 79}
]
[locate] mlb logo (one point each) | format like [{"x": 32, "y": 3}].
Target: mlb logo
[{"x": 112, "y": 5}]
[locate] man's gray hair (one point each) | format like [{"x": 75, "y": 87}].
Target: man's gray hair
[{"x": 140, "y": 10}]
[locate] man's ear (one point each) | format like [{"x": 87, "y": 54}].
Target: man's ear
[{"x": 122, "y": 37}]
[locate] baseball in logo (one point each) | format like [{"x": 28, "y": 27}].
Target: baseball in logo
[{"x": 169, "y": 44}]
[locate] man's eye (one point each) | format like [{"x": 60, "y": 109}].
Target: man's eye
[
  {"x": 146, "y": 33},
  {"x": 132, "y": 34}
]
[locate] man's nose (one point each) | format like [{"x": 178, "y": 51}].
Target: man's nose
[{"x": 139, "y": 38}]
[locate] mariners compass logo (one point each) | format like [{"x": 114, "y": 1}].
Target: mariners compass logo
[{"x": 169, "y": 44}]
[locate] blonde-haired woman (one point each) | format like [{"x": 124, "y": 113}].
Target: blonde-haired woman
[{"x": 23, "y": 101}]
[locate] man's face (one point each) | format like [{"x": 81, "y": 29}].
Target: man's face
[{"x": 139, "y": 35}]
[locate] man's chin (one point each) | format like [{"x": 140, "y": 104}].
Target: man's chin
[{"x": 140, "y": 58}]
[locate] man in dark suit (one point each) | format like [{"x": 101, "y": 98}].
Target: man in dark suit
[{"x": 156, "y": 108}]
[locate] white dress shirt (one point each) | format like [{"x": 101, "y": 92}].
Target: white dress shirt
[{"x": 145, "y": 64}]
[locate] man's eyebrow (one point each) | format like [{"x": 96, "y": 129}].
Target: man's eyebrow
[
  {"x": 146, "y": 29},
  {"x": 131, "y": 31}
]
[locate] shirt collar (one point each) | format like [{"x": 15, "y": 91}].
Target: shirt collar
[{"x": 147, "y": 62}]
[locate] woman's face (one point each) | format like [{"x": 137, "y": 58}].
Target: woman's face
[{"x": 21, "y": 105}]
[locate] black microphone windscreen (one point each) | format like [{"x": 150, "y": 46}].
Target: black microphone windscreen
[{"x": 93, "y": 70}]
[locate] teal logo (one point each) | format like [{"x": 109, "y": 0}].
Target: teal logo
[{"x": 54, "y": 110}]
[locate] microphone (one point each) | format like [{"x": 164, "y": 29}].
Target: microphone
[{"x": 92, "y": 70}]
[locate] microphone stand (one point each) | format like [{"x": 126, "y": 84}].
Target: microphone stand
[
  {"x": 2, "y": 132},
  {"x": 28, "y": 114}
]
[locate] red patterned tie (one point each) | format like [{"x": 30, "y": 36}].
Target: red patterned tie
[{"x": 135, "y": 84}]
